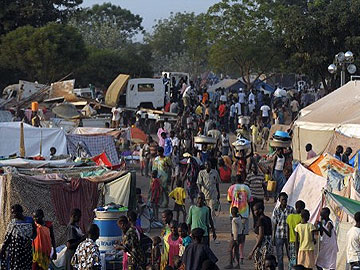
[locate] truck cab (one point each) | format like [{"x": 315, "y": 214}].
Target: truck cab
[{"x": 132, "y": 93}]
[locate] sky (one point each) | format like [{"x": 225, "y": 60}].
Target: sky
[{"x": 151, "y": 10}]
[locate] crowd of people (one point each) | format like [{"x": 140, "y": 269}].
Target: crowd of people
[{"x": 190, "y": 174}]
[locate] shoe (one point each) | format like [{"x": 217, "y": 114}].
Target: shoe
[
  {"x": 237, "y": 266},
  {"x": 230, "y": 266},
  {"x": 217, "y": 242}
]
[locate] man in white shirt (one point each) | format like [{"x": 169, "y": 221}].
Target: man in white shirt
[
  {"x": 232, "y": 115},
  {"x": 265, "y": 113},
  {"x": 115, "y": 120},
  {"x": 241, "y": 96},
  {"x": 238, "y": 109},
  {"x": 353, "y": 243}
]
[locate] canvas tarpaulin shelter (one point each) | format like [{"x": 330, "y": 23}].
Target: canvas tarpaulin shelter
[
  {"x": 306, "y": 186},
  {"x": 97, "y": 131},
  {"x": 48, "y": 137},
  {"x": 338, "y": 111},
  {"x": 345, "y": 141},
  {"x": 95, "y": 144},
  {"x": 58, "y": 195}
]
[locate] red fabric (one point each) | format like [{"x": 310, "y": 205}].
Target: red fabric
[
  {"x": 225, "y": 174},
  {"x": 102, "y": 160},
  {"x": 222, "y": 110},
  {"x": 79, "y": 193},
  {"x": 167, "y": 107},
  {"x": 155, "y": 189},
  {"x": 138, "y": 135}
]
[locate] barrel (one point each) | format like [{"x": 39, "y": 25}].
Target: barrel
[
  {"x": 110, "y": 233},
  {"x": 34, "y": 106}
]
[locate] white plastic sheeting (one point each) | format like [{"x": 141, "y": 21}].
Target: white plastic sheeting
[{"x": 48, "y": 137}]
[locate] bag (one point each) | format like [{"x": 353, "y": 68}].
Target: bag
[{"x": 271, "y": 186}]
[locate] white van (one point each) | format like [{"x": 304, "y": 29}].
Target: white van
[{"x": 131, "y": 93}]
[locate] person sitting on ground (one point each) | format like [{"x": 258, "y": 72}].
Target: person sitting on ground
[
  {"x": 310, "y": 153},
  {"x": 87, "y": 254},
  {"x": 52, "y": 153},
  {"x": 346, "y": 156}
]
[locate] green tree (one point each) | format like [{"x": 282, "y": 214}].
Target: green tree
[
  {"x": 313, "y": 32},
  {"x": 106, "y": 26},
  {"x": 242, "y": 40},
  {"x": 17, "y": 13},
  {"x": 168, "y": 42},
  {"x": 44, "y": 54},
  {"x": 103, "y": 65}
]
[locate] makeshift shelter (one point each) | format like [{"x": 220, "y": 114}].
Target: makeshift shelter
[
  {"x": 331, "y": 183},
  {"x": 318, "y": 121},
  {"x": 225, "y": 83},
  {"x": 95, "y": 144},
  {"x": 97, "y": 131},
  {"x": 306, "y": 186},
  {"x": 35, "y": 138},
  {"x": 57, "y": 195},
  {"x": 345, "y": 141}
]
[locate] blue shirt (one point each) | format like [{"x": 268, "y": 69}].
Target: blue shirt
[{"x": 167, "y": 147}]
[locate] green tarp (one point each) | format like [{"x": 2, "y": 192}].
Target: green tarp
[{"x": 349, "y": 206}]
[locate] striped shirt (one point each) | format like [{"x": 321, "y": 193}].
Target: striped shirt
[{"x": 255, "y": 183}]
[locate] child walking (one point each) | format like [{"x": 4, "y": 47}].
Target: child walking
[
  {"x": 237, "y": 229},
  {"x": 178, "y": 194},
  {"x": 174, "y": 241},
  {"x": 155, "y": 192},
  {"x": 305, "y": 241},
  {"x": 292, "y": 220},
  {"x": 186, "y": 238}
]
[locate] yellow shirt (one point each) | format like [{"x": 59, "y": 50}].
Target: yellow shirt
[
  {"x": 254, "y": 130},
  {"x": 199, "y": 110},
  {"x": 292, "y": 220},
  {"x": 305, "y": 236},
  {"x": 179, "y": 195}
]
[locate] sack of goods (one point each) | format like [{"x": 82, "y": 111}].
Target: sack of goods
[
  {"x": 280, "y": 139},
  {"x": 244, "y": 120},
  {"x": 204, "y": 140},
  {"x": 241, "y": 144}
]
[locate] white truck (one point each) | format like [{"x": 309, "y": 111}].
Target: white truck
[{"x": 131, "y": 93}]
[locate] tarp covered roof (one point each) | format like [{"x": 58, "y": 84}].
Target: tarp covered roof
[{"x": 340, "y": 107}]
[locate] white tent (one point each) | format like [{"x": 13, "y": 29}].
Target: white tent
[
  {"x": 339, "y": 110},
  {"x": 48, "y": 137}
]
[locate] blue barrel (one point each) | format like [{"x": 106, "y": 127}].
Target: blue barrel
[{"x": 110, "y": 234}]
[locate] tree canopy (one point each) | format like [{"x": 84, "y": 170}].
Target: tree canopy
[
  {"x": 17, "y": 13},
  {"x": 43, "y": 54},
  {"x": 106, "y": 26}
]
